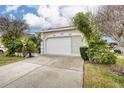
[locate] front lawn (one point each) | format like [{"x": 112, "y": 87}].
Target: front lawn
[
  {"x": 104, "y": 76},
  {"x": 7, "y": 60}
]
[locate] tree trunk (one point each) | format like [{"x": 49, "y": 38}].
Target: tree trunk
[{"x": 30, "y": 54}]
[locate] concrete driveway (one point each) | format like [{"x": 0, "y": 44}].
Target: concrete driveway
[{"x": 43, "y": 71}]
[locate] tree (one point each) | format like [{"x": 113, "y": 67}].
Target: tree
[
  {"x": 82, "y": 23},
  {"x": 11, "y": 42},
  {"x": 110, "y": 21},
  {"x": 31, "y": 47},
  {"x": 36, "y": 38},
  {"x": 9, "y": 24},
  {"x": 28, "y": 47},
  {"x": 12, "y": 32}
]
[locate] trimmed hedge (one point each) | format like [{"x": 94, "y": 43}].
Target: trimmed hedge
[
  {"x": 101, "y": 58},
  {"x": 96, "y": 56},
  {"x": 83, "y": 52}
]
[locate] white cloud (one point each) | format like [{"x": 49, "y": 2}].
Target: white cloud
[
  {"x": 10, "y": 8},
  {"x": 58, "y": 21},
  {"x": 70, "y": 11},
  {"x": 46, "y": 11},
  {"x": 53, "y": 16},
  {"x": 35, "y": 21},
  {"x": 59, "y": 16}
]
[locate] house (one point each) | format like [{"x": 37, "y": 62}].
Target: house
[{"x": 62, "y": 41}]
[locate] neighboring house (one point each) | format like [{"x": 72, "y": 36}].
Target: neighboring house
[{"x": 62, "y": 41}]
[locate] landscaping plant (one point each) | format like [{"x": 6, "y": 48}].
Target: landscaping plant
[
  {"x": 12, "y": 42},
  {"x": 12, "y": 37},
  {"x": 97, "y": 51}
]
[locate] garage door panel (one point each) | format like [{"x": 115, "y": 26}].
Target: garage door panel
[
  {"x": 76, "y": 44},
  {"x": 58, "y": 45}
]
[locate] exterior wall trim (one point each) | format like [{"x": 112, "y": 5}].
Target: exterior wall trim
[{"x": 60, "y": 29}]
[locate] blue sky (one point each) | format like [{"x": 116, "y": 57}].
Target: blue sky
[
  {"x": 17, "y": 11},
  {"x": 43, "y": 17}
]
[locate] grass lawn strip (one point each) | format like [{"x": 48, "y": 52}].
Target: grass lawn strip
[
  {"x": 7, "y": 60},
  {"x": 101, "y": 76}
]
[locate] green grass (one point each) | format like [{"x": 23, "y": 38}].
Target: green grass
[
  {"x": 120, "y": 61},
  {"x": 102, "y": 76},
  {"x": 7, "y": 60}
]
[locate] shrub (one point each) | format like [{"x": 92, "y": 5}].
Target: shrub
[
  {"x": 109, "y": 58},
  {"x": 31, "y": 46},
  {"x": 12, "y": 44},
  {"x": 83, "y": 52},
  {"x": 101, "y": 57}
]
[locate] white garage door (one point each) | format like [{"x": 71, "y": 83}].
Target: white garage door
[
  {"x": 76, "y": 44},
  {"x": 58, "y": 45}
]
